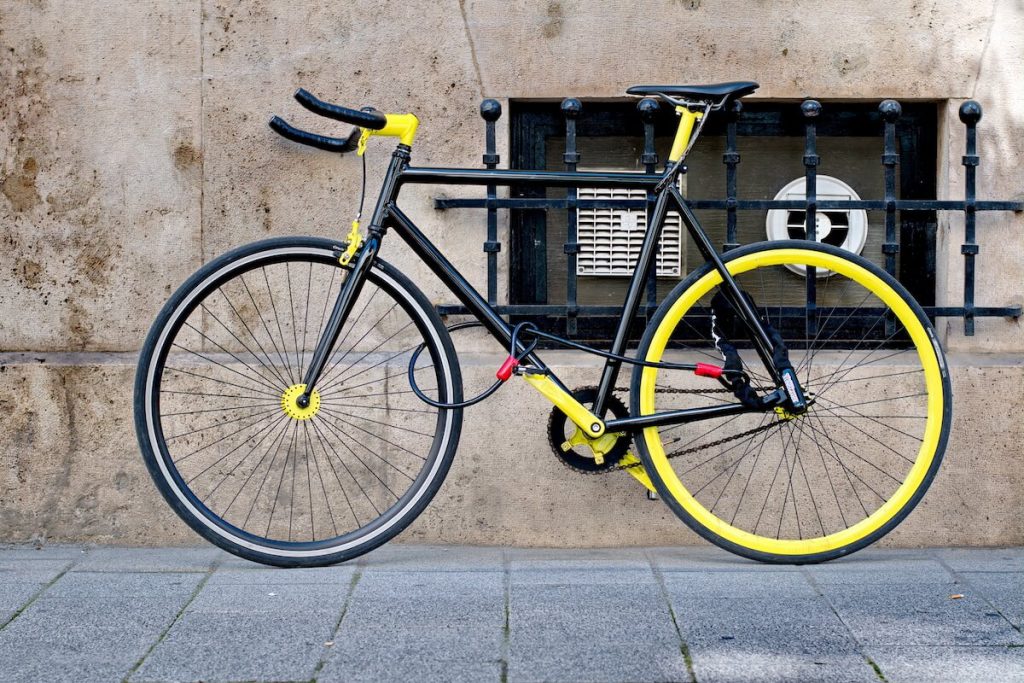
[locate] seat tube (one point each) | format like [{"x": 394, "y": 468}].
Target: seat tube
[{"x": 636, "y": 288}]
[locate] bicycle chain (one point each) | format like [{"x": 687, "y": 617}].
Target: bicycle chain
[{"x": 687, "y": 451}]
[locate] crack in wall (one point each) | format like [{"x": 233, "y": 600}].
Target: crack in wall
[{"x": 472, "y": 46}]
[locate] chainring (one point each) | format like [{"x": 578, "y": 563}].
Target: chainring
[{"x": 581, "y": 458}]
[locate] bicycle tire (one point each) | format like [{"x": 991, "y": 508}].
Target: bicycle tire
[
  {"x": 216, "y": 333},
  {"x": 695, "y": 485}
]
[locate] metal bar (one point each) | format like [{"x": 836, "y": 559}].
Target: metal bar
[
  {"x": 539, "y": 309},
  {"x": 890, "y": 110},
  {"x": 811, "y": 109},
  {"x": 648, "y": 108},
  {"x": 443, "y": 203},
  {"x": 970, "y": 114},
  {"x": 559, "y": 310},
  {"x": 978, "y": 311},
  {"x": 635, "y": 424},
  {"x": 571, "y": 108},
  {"x": 731, "y": 159},
  {"x": 490, "y": 111},
  {"x": 501, "y": 176}
]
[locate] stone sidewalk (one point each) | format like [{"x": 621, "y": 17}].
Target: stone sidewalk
[{"x": 415, "y": 613}]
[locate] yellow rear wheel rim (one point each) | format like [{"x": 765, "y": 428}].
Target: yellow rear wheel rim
[{"x": 926, "y": 352}]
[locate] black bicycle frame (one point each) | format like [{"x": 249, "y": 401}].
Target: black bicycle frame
[{"x": 387, "y": 215}]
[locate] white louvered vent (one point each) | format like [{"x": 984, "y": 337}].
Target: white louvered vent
[{"x": 610, "y": 239}]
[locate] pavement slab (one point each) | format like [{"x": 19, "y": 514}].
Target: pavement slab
[
  {"x": 81, "y": 629},
  {"x": 453, "y": 623}
]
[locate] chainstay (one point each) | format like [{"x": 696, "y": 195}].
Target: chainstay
[
  {"x": 697, "y": 449},
  {"x": 686, "y": 451}
]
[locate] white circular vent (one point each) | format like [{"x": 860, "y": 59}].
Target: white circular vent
[{"x": 845, "y": 229}]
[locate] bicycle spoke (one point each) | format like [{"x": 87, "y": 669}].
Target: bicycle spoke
[
  {"x": 263, "y": 321},
  {"x": 347, "y": 470},
  {"x": 277, "y": 319},
  {"x": 241, "y": 319}
]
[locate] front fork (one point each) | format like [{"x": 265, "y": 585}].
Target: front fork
[{"x": 339, "y": 314}]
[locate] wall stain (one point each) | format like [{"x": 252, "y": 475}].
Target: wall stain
[
  {"x": 264, "y": 205},
  {"x": 186, "y": 156},
  {"x": 20, "y": 186},
  {"x": 556, "y": 17},
  {"x": 29, "y": 273}
]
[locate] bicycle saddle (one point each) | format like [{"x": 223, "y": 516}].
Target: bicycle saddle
[{"x": 716, "y": 92}]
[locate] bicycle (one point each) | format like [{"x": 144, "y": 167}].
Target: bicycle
[{"x": 298, "y": 400}]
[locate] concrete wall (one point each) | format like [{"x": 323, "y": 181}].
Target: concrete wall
[{"x": 134, "y": 148}]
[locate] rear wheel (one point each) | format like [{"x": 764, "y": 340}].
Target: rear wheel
[
  {"x": 235, "y": 455},
  {"x": 778, "y": 487}
]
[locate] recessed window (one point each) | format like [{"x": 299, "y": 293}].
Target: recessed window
[{"x": 771, "y": 146}]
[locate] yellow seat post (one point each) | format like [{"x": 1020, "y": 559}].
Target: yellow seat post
[{"x": 687, "y": 119}]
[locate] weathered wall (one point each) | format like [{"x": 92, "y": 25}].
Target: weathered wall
[{"x": 134, "y": 147}]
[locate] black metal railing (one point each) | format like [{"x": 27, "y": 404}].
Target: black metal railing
[{"x": 890, "y": 110}]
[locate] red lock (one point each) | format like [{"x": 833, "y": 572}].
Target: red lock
[
  {"x": 708, "y": 370},
  {"x": 505, "y": 371}
]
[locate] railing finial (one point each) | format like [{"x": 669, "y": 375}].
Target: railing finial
[
  {"x": 970, "y": 112},
  {"x": 890, "y": 110}
]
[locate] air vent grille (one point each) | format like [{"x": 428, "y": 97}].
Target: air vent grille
[{"x": 610, "y": 239}]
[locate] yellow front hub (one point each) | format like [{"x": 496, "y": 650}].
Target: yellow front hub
[{"x": 290, "y": 406}]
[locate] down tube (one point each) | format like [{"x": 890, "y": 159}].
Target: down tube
[{"x": 454, "y": 281}]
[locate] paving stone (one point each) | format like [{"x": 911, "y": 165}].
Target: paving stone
[
  {"x": 232, "y": 631},
  {"x": 446, "y": 621},
  {"x": 1005, "y": 590},
  {"x": 708, "y": 558},
  {"x": 84, "y": 585},
  {"x": 896, "y": 569},
  {"x": 737, "y": 584},
  {"x": 256, "y": 646},
  {"x": 14, "y": 596},
  {"x": 27, "y": 551},
  {"x": 920, "y": 664},
  {"x": 581, "y": 574},
  {"x": 433, "y": 558},
  {"x": 726, "y": 664},
  {"x": 982, "y": 559},
  {"x": 616, "y": 631},
  {"x": 187, "y": 559},
  {"x": 421, "y": 671},
  {"x": 258, "y": 574},
  {"x": 9, "y": 568},
  {"x": 270, "y": 598},
  {"x": 587, "y": 559},
  {"x": 783, "y": 624},
  {"x": 80, "y": 632},
  {"x": 920, "y": 614}
]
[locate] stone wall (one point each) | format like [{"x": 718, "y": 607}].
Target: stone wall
[{"x": 135, "y": 147}]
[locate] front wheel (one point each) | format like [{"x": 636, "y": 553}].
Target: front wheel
[
  {"x": 228, "y": 445},
  {"x": 797, "y": 488}
]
